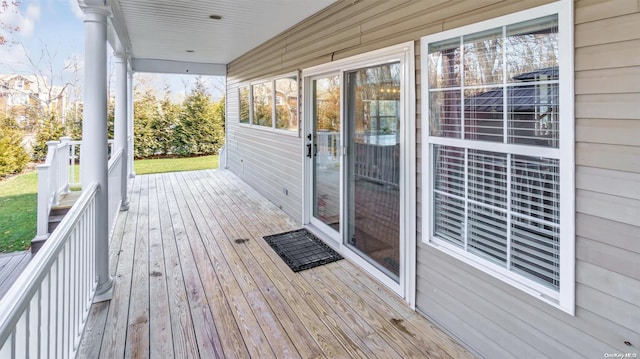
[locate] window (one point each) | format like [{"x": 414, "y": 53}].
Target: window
[
  {"x": 263, "y": 104},
  {"x": 19, "y": 99},
  {"x": 500, "y": 149},
  {"x": 271, "y": 104},
  {"x": 287, "y": 103},
  {"x": 244, "y": 105}
]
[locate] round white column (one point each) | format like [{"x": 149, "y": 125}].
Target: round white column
[
  {"x": 121, "y": 124},
  {"x": 94, "y": 138},
  {"x": 132, "y": 173}
]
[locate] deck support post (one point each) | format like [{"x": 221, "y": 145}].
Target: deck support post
[
  {"x": 132, "y": 173},
  {"x": 121, "y": 123},
  {"x": 94, "y": 137}
]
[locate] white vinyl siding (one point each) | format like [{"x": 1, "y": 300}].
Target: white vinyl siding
[{"x": 495, "y": 149}]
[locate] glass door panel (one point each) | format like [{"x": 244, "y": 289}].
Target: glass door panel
[
  {"x": 372, "y": 119},
  {"x": 326, "y": 150}
]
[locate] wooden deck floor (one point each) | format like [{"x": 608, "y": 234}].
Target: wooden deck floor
[
  {"x": 194, "y": 278},
  {"x": 11, "y": 266}
]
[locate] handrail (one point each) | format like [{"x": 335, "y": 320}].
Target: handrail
[
  {"x": 74, "y": 159},
  {"x": 43, "y": 314},
  {"x": 52, "y": 182},
  {"x": 56, "y": 176},
  {"x": 376, "y": 157}
]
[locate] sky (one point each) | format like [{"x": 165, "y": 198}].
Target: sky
[{"x": 56, "y": 27}]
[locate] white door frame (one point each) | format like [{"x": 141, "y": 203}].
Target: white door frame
[
  {"x": 308, "y": 198},
  {"x": 406, "y": 55}
]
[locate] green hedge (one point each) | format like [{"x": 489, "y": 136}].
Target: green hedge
[{"x": 13, "y": 156}]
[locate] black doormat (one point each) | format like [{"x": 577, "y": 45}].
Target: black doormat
[{"x": 301, "y": 250}]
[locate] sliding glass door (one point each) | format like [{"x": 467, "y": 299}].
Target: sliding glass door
[
  {"x": 323, "y": 148},
  {"x": 372, "y": 120}
]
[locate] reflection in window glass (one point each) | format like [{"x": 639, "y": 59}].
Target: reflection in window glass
[
  {"x": 263, "y": 104},
  {"x": 483, "y": 58},
  {"x": 498, "y": 205},
  {"x": 445, "y": 114},
  {"x": 373, "y": 176},
  {"x": 244, "y": 104},
  {"x": 519, "y": 108},
  {"x": 444, "y": 63},
  {"x": 287, "y": 103}
]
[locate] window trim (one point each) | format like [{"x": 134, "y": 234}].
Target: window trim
[
  {"x": 272, "y": 128},
  {"x": 564, "y": 298}
]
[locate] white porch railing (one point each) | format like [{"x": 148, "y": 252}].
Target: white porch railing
[
  {"x": 115, "y": 200},
  {"x": 377, "y": 159},
  {"x": 56, "y": 176},
  {"x": 328, "y": 150},
  {"x": 44, "y": 313},
  {"x": 53, "y": 181}
]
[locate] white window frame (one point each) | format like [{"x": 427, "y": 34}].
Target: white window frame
[
  {"x": 564, "y": 298},
  {"x": 271, "y": 128}
]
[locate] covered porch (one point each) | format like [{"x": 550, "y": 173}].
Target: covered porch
[{"x": 194, "y": 278}]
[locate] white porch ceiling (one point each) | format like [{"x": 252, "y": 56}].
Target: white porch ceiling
[{"x": 158, "y": 33}]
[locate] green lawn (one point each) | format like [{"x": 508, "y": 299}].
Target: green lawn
[
  {"x": 18, "y": 198},
  {"x": 162, "y": 165},
  {"x": 18, "y": 202}
]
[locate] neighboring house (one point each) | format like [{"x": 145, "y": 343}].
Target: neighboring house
[
  {"x": 21, "y": 94},
  {"x": 513, "y": 224}
]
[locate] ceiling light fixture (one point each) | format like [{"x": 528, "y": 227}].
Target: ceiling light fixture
[{"x": 215, "y": 17}]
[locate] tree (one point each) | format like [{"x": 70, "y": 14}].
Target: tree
[
  {"x": 147, "y": 112},
  {"x": 7, "y": 29},
  {"x": 50, "y": 130},
  {"x": 165, "y": 124},
  {"x": 13, "y": 156},
  {"x": 200, "y": 129},
  {"x": 49, "y": 98}
]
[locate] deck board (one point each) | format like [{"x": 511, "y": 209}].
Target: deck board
[
  {"x": 11, "y": 266},
  {"x": 194, "y": 278}
]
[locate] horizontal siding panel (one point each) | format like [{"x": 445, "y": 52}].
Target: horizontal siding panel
[
  {"x": 614, "y": 309},
  {"x": 338, "y": 24},
  {"x": 407, "y": 30},
  {"x": 613, "y": 106},
  {"x": 608, "y": 81},
  {"x": 428, "y": 11},
  {"x": 611, "y": 283},
  {"x": 618, "y": 260},
  {"x": 620, "y": 28},
  {"x": 552, "y": 324},
  {"x": 585, "y": 332},
  {"x": 613, "y": 55},
  {"x": 499, "y": 323},
  {"x": 607, "y": 131},
  {"x": 614, "y": 157},
  {"x": 615, "y": 208},
  {"x": 616, "y": 183},
  {"x": 608, "y": 232},
  {"x": 270, "y": 51},
  {"x": 475, "y": 339},
  {"x": 329, "y": 20},
  {"x": 591, "y": 10},
  {"x": 349, "y": 38},
  {"x": 490, "y": 11}
]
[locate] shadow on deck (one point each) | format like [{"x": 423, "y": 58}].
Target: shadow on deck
[{"x": 194, "y": 278}]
